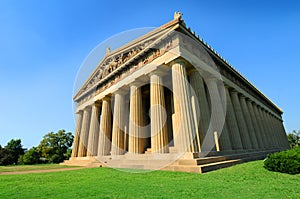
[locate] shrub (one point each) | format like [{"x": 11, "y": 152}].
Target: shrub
[
  {"x": 284, "y": 161},
  {"x": 32, "y": 156}
]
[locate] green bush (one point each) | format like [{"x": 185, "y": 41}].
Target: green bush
[
  {"x": 284, "y": 161},
  {"x": 32, "y": 156}
]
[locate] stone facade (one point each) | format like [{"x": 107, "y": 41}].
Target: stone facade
[{"x": 169, "y": 93}]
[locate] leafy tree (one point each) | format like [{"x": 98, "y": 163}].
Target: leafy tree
[
  {"x": 15, "y": 148},
  {"x": 294, "y": 139},
  {"x": 6, "y": 157},
  {"x": 32, "y": 156},
  {"x": 54, "y": 146}
]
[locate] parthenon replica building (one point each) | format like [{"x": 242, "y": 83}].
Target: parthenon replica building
[{"x": 167, "y": 100}]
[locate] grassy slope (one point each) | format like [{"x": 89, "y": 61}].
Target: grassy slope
[
  {"x": 31, "y": 167},
  {"x": 248, "y": 180}
]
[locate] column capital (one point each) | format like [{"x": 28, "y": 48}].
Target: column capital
[
  {"x": 249, "y": 100},
  {"x": 137, "y": 83},
  {"x": 87, "y": 108},
  {"x": 233, "y": 91},
  {"x": 179, "y": 60},
  {"x": 242, "y": 96},
  {"x": 79, "y": 112},
  {"x": 227, "y": 86},
  {"x": 121, "y": 91},
  {"x": 96, "y": 103},
  {"x": 106, "y": 98},
  {"x": 156, "y": 72}
]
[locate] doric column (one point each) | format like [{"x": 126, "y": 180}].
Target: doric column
[
  {"x": 281, "y": 134},
  {"x": 183, "y": 122},
  {"x": 272, "y": 131},
  {"x": 94, "y": 130},
  {"x": 286, "y": 144},
  {"x": 84, "y": 134},
  {"x": 241, "y": 120},
  {"x": 218, "y": 114},
  {"x": 159, "y": 131},
  {"x": 197, "y": 84},
  {"x": 77, "y": 134},
  {"x": 265, "y": 127},
  {"x": 255, "y": 125},
  {"x": 118, "y": 134},
  {"x": 261, "y": 126},
  {"x": 249, "y": 123},
  {"x": 136, "y": 134},
  {"x": 105, "y": 128},
  {"x": 232, "y": 124}
]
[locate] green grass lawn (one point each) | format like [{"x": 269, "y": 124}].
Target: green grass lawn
[
  {"x": 18, "y": 168},
  {"x": 249, "y": 180}
]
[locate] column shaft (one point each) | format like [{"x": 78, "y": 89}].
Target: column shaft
[
  {"x": 218, "y": 108},
  {"x": 183, "y": 122},
  {"x": 255, "y": 125},
  {"x": 118, "y": 134},
  {"x": 105, "y": 128},
  {"x": 204, "y": 112},
  {"x": 136, "y": 135},
  {"x": 232, "y": 124},
  {"x": 159, "y": 131},
  {"x": 77, "y": 134},
  {"x": 268, "y": 142},
  {"x": 249, "y": 123},
  {"x": 241, "y": 121},
  {"x": 94, "y": 131},
  {"x": 84, "y": 134},
  {"x": 261, "y": 126}
]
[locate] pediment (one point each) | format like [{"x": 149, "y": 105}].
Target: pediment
[{"x": 124, "y": 56}]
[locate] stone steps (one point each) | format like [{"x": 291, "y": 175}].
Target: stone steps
[{"x": 187, "y": 162}]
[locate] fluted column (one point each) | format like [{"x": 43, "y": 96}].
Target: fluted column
[
  {"x": 105, "y": 128},
  {"x": 279, "y": 136},
  {"x": 255, "y": 125},
  {"x": 249, "y": 123},
  {"x": 261, "y": 126},
  {"x": 265, "y": 127},
  {"x": 77, "y": 134},
  {"x": 241, "y": 121},
  {"x": 272, "y": 131},
  {"x": 159, "y": 131},
  {"x": 218, "y": 108},
  {"x": 183, "y": 122},
  {"x": 232, "y": 124},
  {"x": 118, "y": 134},
  {"x": 285, "y": 142},
  {"x": 84, "y": 134},
  {"x": 197, "y": 84},
  {"x": 136, "y": 134},
  {"x": 94, "y": 130}
]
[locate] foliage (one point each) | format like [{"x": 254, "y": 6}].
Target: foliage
[
  {"x": 54, "y": 146},
  {"x": 294, "y": 139},
  {"x": 249, "y": 180},
  {"x": 15, "y": 148},
  {"x": 32, "y": 156},
  {"x": 284, "y": 161},
  {"x": 6, "y": 157}
]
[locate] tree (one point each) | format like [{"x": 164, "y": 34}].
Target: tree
[
  {"x": 32, "y": 156},
  {"x": 15, "y": 148},
  {"x": 54, "y": 146},
  {"x": 294, "y": 139},
  {"x": 6, "y": 157}
]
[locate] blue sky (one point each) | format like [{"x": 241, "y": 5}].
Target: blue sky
[{"x": 43, "y": 43}]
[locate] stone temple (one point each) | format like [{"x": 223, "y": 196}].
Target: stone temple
[{"x": 167, "y": 100}]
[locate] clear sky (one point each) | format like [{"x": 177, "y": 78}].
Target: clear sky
[{"x": 43, "y": 43}]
